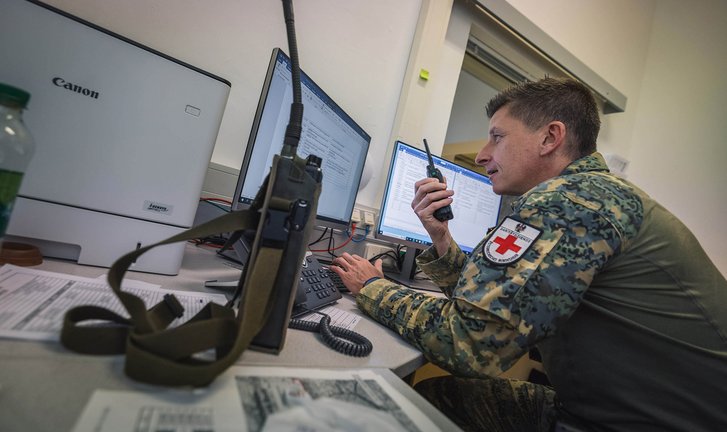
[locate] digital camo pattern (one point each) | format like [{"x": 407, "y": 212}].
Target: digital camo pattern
[{"x": 493, "y": 314}]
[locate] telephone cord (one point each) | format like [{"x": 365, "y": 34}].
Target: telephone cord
[{"x": 340, "y": 339}]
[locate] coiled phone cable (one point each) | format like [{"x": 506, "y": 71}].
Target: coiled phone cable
[{"x": 338, "y": 338}]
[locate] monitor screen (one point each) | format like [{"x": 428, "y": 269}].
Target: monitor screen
[
  {"x": 328, "y": 132},
  {"x": 476, "y": 207}
]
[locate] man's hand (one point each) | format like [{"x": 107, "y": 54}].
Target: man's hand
[
  {"x": 355, "y": 270},
  {"x": 429, "y": 196}
]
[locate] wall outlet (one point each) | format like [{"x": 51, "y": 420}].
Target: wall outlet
[
  {"x": 372, "y": 250},
  {"x": 368, "y": 218},
  {"x": 356, "y": 216}
]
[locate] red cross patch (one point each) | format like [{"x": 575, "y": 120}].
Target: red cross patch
[{"x": 509, "y": 242}]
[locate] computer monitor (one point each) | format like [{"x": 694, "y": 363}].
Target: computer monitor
[
  {"x": 476, "y": 208},
  {"x": 328, "y": 132}
]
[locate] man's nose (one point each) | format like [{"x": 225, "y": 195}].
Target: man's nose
[{"x": 483, "y": 156}]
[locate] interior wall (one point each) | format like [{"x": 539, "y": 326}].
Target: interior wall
[
  {"x": 421, "y": 99},
  {"x": 678, "y": 152},
  {"x": 668, "y": 57},
  {"x": 468, "y": 119},
  {"x": 357, "y": 51},
  {"x": 426, "y": 110},
  {"x": 612, "y": 38}
]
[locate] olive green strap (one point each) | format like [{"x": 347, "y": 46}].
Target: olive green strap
[
  {"x": 160, "y": 355},
  {"x": 166, "y": 357},
  {"x": 281, "y": 216}
]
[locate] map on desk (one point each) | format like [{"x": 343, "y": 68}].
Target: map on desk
[
  {"x": 247, "y": 398},
  {"x": 34, "y": 302}
]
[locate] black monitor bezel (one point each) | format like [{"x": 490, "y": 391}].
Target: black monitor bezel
[{"x": 321, "y": 220}]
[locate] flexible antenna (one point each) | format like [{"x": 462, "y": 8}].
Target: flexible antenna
[{"x": 295, "y": 124}]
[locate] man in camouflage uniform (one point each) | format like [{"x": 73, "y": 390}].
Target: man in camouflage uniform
[{"x": 628, "y": 312}]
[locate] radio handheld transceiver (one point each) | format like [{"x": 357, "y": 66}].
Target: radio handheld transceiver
[{"x": 444, "y": 213}]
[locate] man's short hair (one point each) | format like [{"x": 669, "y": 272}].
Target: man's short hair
[{"x": 554, "y": 99}]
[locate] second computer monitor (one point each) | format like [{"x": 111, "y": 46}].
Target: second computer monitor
[
  {"x": 476, "y": 207},
  {"x": 328, "y": 132}
]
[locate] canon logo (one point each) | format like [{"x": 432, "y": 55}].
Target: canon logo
[{"x": 60, "y": 82}]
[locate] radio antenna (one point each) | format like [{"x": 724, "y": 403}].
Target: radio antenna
[{"x": 295, "y": 124}]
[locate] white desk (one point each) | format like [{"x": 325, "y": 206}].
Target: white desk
[{"x": 44, "y": 387}]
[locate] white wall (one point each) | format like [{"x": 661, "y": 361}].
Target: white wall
[
  {"x": 669, "y": 58},
  {"x": 666, "y": 56},
  {"x": 357, "y": 51},
  {"x": 609, "y": 36},
  {"x": 468, "y": 119},
  {"x": 679, "y": 145}
]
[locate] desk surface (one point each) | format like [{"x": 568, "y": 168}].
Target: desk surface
[{"x": 45, "y": 387}]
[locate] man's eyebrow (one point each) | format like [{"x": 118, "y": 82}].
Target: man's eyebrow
[{"x": 494, "y": 130}]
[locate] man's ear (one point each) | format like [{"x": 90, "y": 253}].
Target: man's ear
[{"x": 554, "y": 137}]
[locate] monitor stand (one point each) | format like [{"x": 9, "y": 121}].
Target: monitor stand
[{"x": 406, "y": 276}]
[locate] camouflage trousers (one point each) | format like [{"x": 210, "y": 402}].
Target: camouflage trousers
[{"x": 492, "y": 404}]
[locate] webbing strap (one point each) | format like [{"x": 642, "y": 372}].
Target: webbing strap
[
  {"x": 164, "y": 356},
  {"x": 281, "y": 215}
]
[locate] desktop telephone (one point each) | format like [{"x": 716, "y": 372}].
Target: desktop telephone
[
  {"x": 320, "y": 287},
  {"x": 316, "y": 287}
]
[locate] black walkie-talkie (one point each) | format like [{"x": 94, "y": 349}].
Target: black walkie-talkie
[{"x": 444, "y": 213}]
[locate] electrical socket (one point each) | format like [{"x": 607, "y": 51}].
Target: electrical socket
[
  {"x": 372, "y": 250},
  {"x": 368, "y": 218},
  {"x": 356, "y": 216}
]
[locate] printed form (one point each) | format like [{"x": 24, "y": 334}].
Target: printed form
[{"x": 33, "y": 302}]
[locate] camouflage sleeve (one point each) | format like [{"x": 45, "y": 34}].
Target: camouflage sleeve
[
  {"x": 497, "y": 312},
  {"x": 444, "y": 271}
]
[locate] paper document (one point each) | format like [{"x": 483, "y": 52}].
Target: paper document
[
  {"x": 261, "y": 399},
  {"x": 34, "y": 302},
  {"x": 212, "y": 409},
  {"x": 339, "y": 317}
]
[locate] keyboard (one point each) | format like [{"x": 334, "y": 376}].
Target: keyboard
[{"x": 336, "y": 279}]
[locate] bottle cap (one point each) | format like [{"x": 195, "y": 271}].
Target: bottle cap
[
  {"x": 13, "y": 96},
  {"x": 20, "y": 254}
]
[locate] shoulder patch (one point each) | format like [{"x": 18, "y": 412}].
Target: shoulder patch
[{"x": 510, "y": 241}]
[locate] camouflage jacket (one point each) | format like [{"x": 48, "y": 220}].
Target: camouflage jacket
[
  {"x": 493, "y": 314},
  {"x": 615, "y": 291}
]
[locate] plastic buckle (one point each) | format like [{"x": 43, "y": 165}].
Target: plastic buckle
[
  {"x": 275, "y": 231},
  {"x": 173, "y": 305}
]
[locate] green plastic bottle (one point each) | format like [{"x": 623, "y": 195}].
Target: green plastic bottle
[{"x": 16, "y": 149}]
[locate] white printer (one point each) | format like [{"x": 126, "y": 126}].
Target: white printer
[{"x": 123, "y": 135}]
